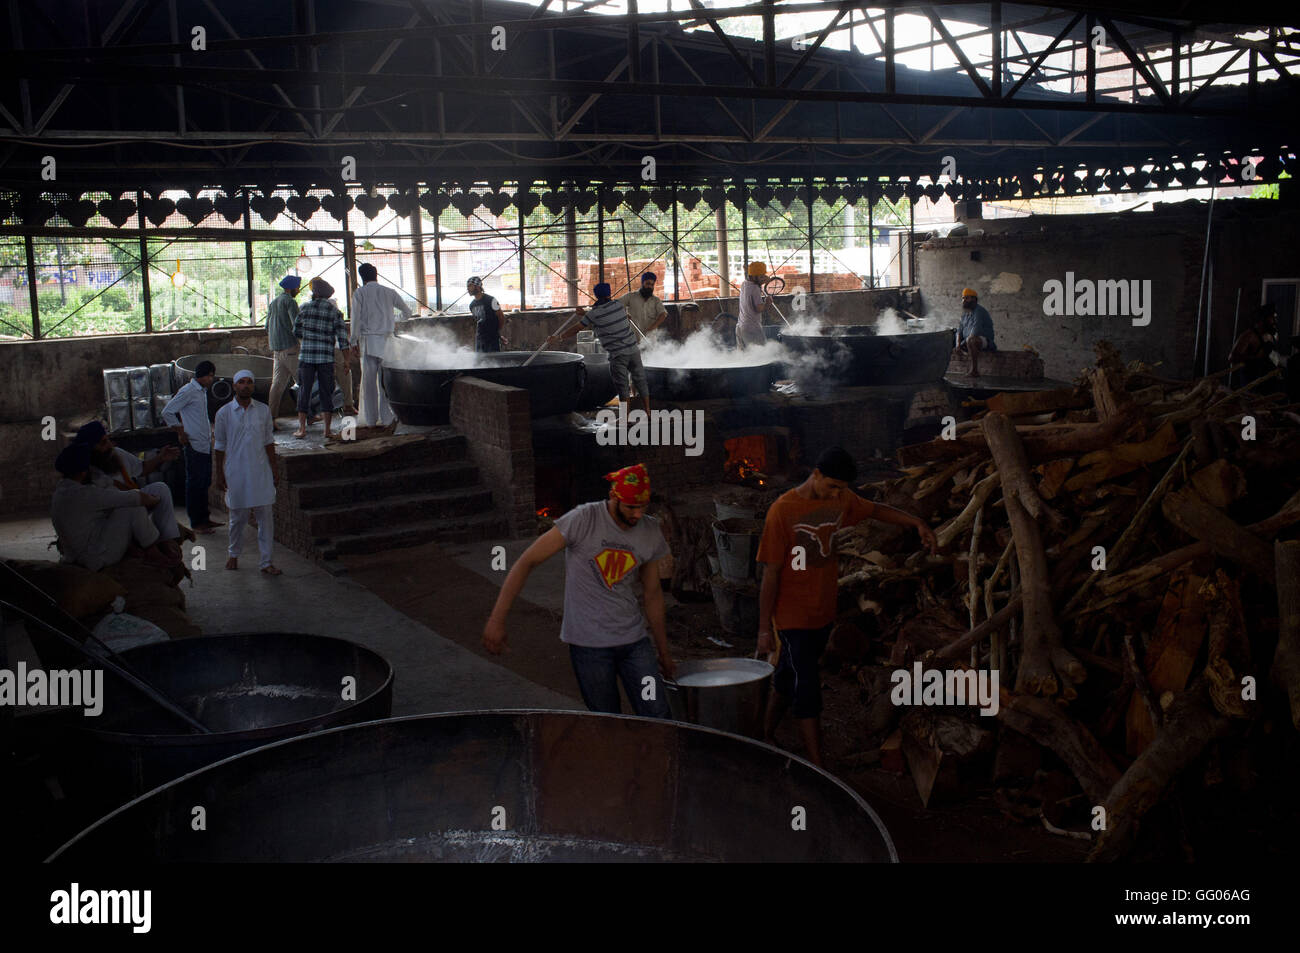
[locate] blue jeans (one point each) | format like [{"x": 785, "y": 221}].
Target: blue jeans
[
  {"x": 599, "y": 669},
  {"x": 198, "y": 477}
]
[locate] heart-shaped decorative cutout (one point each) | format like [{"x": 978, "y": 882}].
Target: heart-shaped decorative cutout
[
  {"x": 662, "y": 198},
  {"x": 894, "y": 191},
  {"x": 713, "y": 197},
  {"x": 762, "y": 195},
  {"x": 337, "y": 204},
  {"x": 527, "y": 201},
  {"x": 303, "y": 207},
  {"x": 267, "y": 207},
  {"x": 230, "y": 207},
  {"x": 787, "y": 196},
  {"x": 41, "y": 211},
  {"x": 465, "y": 203},
  {"x": 194, "y": 210},
  {"x": 553, "y": 202},
  {"x": 77, "y": 213},
  {"x": 689, "y": 198},
  {"x": 370, "y": 207},
  {"x": 934, "y": 191},
  {"x": 584, "y": 200},
  {"x": 636, "y": 200},
  {"x": 498, "y": 202},
  {"x": 158, "y": 210},
  {"x": 400, "y": 203},
  {"x": 610, "y": 199}
]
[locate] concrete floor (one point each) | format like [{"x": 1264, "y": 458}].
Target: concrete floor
[{"x": 431, "y": 673}]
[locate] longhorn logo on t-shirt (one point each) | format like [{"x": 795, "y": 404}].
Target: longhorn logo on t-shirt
[
  {"x": 614, "y": 564},
  {"x": 820, "y": 533}
]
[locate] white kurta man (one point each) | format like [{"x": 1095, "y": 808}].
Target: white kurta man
[{"x": 244, "y": 443}]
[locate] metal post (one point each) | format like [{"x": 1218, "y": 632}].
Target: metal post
[
  {"x": 871, "y": 236},
  {"x": 571, "y": 253},
  {"x": 523, "y": 270},
  {"x": 677, "y": 261},
  {"x": 30, "y": 247},
  {"x": 417, "y": 247},
  {"x": 911, "y": 241},
  {"x": 724, "y": 252},
  {"x": 349, "y": 274},
  {"x": 995, "y": 25},
  {"x": 58, "y": 261},
  {"x": 437, "y": 255},
  {"x": 144, "y": 265},
  {"x": 744, "y": 225},
  {"x": 812, "y": 257},
  {"x": 248, "y": 261},
  {"x": 1090, "y": 61},
  {"x": 600, "y": 234}
]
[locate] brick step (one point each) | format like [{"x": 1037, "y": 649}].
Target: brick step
[
  {"x": 328, "y": 464},
  {"x": 395, "y": 511},
  {"x": 443, "y": 476},
  {"x": 463, "y": 529}
]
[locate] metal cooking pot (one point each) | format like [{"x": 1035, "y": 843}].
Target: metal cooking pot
[
  {"x": 249, "y": 689},
  {"x": 871, "y": 359},
  {"x": 573, "y": 786},
  {"x": 729, "y": 694},
  {"x": 705, "y": 383},
  {"x": 227, "y": 366},
  {"x": 422, "y": 396},
  {"x": 599, "y": 388}
]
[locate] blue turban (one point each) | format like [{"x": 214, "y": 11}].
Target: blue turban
[
  {"x": 73, "y": 459},
  {"x": 602, "y": 290},
  {"x": 91, "y": 433},
  {"x": 290, "y": 282},
  {"x": 650, "y": 275}
]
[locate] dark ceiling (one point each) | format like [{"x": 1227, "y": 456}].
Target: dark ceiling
[{"x": 413, "y": 92}]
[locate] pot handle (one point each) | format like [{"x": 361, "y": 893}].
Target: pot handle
[
  {"x": 722, "y": 539},
  {"x": 582, "y": 376}
]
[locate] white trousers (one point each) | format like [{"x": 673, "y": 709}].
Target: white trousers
[
  {"x": 124, "y": 525},
  {"x": 265, "y": 532},
  {"x": 163, "y": 515},
  {"x": 374, "y": 410}
]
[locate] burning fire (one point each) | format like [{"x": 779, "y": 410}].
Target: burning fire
[
  {"x": 743, "y": 468},
  {"x": 544, "y": 511},
  {"x": 747, "y": 460}
]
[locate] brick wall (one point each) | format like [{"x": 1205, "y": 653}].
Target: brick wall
[
  {"x": 1251, "y": 240},
  {"x": 497, "y": 424}
]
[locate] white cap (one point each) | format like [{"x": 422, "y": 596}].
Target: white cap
[{"x": 240, "y": 375}]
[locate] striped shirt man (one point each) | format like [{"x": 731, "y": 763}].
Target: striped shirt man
[
  {"x": 610, "y": 321},
  {"x": 319, "y": 325}
]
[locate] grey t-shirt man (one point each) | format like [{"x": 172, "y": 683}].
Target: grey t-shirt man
[{"x": 602, "y": 564}]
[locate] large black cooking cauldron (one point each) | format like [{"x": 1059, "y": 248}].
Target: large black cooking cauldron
[
  {"x": 857, "y": 356},
  {"x": 227, "y": 366},
  {"x": 705, "y": 383},
  {"x": 422, "y": 396},
  {"x": 249, "y": 690},
  {"x": 560, "y": 786},
  {"x": 599, "y": 389}
]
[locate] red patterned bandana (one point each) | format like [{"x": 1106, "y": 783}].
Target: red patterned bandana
[{"x": 631, "y": 484}]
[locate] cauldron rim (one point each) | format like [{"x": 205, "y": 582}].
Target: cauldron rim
[
  {"x": 262, "y": 751},
  {"x": 552, "y": 359},
  {"x": 188, "y": 739}
]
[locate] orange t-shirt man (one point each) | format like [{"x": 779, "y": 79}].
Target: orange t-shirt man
[{"x": 798, "y": 534}]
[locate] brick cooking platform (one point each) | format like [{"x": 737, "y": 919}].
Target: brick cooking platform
[{"x": 382, "y": 493}]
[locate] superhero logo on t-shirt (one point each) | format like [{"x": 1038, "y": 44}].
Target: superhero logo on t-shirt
[{"x": 614, "y": 564}]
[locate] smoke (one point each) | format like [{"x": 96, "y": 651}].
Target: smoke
[
  {"x": 431, "y": 347},
  {"x": 699, "y": 351}
]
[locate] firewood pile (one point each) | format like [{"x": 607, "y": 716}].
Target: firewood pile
[{"x": 1117, "y": 552}]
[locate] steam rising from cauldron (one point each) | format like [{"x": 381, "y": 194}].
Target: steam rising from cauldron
[{"x": 431, "y": 347}]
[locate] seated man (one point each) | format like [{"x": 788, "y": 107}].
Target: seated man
[
  {"x": 98, "y": 525},
  {"x": 113, "y": 468},
  {"x": 975, "y": 334}
]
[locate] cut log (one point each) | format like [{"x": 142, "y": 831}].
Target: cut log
[
  {"x": 1045, "y": 442},
  {"x": 1229, "y": 660},
  {"x": 1285, "y": 671},
  {"x": 1180, "y": 631},
  {"x": 1037, "y": 402},
  {"x": 1110, "y": 394},
  {"x": 891, "y": 753},
  {"x": 1102, "y": 465},
  {"x": 1190, "y": 513},
  {"x": 1045, "y": 666},
  {"x": 1047, "y": 723},
  {"x": 937, "y": 745},
  {"x": 950, "y": 531},
  {"x": 1191, "y": 723},
  {"x": 1219, "y": 484},
  {"x": 1053, "y": 476}
]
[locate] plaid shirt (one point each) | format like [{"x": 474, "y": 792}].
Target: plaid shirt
[{"x": 319, "y": 324}]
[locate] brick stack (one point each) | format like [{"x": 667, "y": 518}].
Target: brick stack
[{"x": 497, "y": 423}]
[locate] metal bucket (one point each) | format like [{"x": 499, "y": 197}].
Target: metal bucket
[
  {"x": 729, "y": 694},
  {"x": 569, "y": 786},
  {"x": 737, "y": 605},
  {"x": 727, "y": 511},
  {"x": 737, "y": 542}
]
